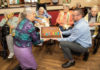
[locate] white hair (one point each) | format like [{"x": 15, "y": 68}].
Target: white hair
[
  {"x": 42, "y": 8},
  {"x": 95, "y": 7},
  {"x": 26, "y": 11}
]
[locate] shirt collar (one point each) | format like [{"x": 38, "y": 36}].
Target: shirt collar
[{"x": 78, "y": 21}]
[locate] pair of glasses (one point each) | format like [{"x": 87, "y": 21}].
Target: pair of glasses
[{"x": 76, "y": 15}]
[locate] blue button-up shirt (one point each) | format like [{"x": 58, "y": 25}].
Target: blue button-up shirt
[{"x": 80, "y": 33}]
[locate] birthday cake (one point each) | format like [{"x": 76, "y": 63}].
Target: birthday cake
[{"x": 50, "y": 32}]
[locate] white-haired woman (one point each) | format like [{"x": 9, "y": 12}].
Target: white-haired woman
[
  {"x": 42, "y": 18},
  {"x": 25, "y": 36}
]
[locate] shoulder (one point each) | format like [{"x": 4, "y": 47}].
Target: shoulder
[
  {"x": 82, "y": 24},
  {"x": 3, "y": 20}
]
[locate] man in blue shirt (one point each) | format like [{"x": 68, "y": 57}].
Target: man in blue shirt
[{"x": 79, "y": 39}]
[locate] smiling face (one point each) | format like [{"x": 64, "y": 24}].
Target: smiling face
[
  {"x": 41, "y": 11},
  {"x": 77, "y": 15}
]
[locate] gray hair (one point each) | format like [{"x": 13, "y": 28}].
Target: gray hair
[
  {"x": 41, "y": 8},
  {"x": 79, "y": 11},
  {"x": 95, "y": 7},
  {"x": 26, "y": 11}
]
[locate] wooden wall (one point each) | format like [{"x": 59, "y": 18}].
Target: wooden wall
[
  {"x": 84, "y": 3},
  {"x": 87, "y": 3}
]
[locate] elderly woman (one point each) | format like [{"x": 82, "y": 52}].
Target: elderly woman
[
  {"x": 11, "y": 21},
  {"x": 65, "y": 18},
  {"x": 42, "y": 18},
  {"x": 24, "y": 38},
  {"x": 93, "y": 18}
]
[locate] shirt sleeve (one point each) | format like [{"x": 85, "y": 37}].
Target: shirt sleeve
[
  {"x": 34, "y": 35},
  {"x": 14, "y": 22},
  {"x": 68, "y": 32},
  {"x": 3, "y": 21},
  {"x": 76, "y": 33}
]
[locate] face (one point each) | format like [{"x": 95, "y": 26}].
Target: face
[
  {"x": 31, "y": 16},
  {"x": 76, "y": 16},
  {"x": 66, "y": 9},
  {"x": 41, "y": 11},
  {"x": 94, "y": 11}
]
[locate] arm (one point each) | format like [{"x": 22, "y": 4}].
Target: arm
[
  {"x": 3, "y": 21},
  {"x": 76, "y": 33},
  {"x": 96, "y": 24},
  {"x": 14, "y": 23},
  {"x": 35, "y": 35},
  {"x": 68, "y": 32},
  {"x": 58, "y": 19},
  {"x": 95, "y": 33},
  {"x": 71, "y": 22},
  {"x": 86, "y": 17}
]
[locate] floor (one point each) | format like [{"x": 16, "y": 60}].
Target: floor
[{"x": 53, "y": 61}]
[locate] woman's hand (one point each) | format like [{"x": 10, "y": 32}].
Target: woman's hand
[{"x": 91, "y": 24}]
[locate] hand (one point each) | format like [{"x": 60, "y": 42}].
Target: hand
[
  {"x": 42, "y": 24},
  {"x": 93, "y": 36},
  {"x": 40, "y": 44},
  {"x": 38, "y": 20},
  {"x": 66, "y": 26},
  {"x": 46, "y": 39},
  {"x": 54, "y": 39},
  {"x": 91, "y": 24},
  {"x": 6, "y": 18},
  {"x": 37, "y": 24}
]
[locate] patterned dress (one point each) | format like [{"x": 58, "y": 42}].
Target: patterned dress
[{"x": 25, "y": 36}]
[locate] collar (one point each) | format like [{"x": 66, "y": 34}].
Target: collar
[{"x": 78, "y": 21}]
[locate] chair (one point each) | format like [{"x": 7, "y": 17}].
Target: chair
[
  {"x": 96, "y": 42},
  {"x": 38, "y": 5}
]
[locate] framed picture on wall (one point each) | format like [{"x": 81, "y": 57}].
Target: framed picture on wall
[{"x": 66, "y": 1}]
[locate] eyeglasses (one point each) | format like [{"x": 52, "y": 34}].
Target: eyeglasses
[{"x": 76, "y": 15}]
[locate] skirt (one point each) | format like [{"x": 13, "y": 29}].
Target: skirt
[{"x": 25, "y": 57}]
